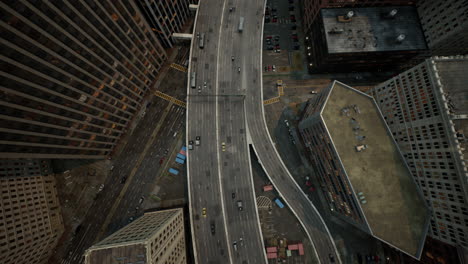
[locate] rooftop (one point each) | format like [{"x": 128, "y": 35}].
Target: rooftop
[
  {"x": 133, "y": 253},
  {"x": 371, "y": 29},
  {"x": 395, "y": 210}
]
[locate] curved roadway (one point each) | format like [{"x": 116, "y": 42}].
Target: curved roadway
[{"x": 268, "y": 156}]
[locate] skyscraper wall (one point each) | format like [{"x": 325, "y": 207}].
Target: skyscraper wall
[
  {"x": 30, "y": 216},
  {"x": 426, "y": 109},
  {"x": 165, "y": 17},
  {"x": 73, "y": 74},
  {"x": 445, "y": 26}
]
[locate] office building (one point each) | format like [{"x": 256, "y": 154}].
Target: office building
[
  {"x": 426, "y": 109},
  {"x": 165, "y": 17},
  {"x": 362, "y": 174},
  {"x": 445, "y": 26},
  {"x": 311, "y": 8},
  {"x": 74, "y": 75},
  {"x": 364, "y": 39},
  {"x": 156, "y": 237},
  {"x": 30, "y": 217}
]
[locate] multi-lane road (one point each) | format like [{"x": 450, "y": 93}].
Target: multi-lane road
[
  {"x": 218, "y": 169},
  {"x": 227, "y": 114}
]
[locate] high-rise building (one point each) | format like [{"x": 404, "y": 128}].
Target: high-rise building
[
  {"x": 445, "y": 26},
  {"x": 73, "y": 74},
  {"x": 311, "y": 8},
  {"x": 165, "y": 17},
  {"x": 30, "y": 216},
  {"x": 364, "y": 39},
  {"x": 362, "y": 174},
  {"x": 156, "y": 237},
  {"x": 426, "y": 109}
]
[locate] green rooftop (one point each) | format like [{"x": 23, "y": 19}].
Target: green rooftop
[{"x": 395, "y": 211}]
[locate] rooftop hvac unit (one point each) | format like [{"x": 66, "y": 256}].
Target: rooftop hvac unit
[
  {"x": 349, "y": 15},
  {"x": 392, "y": 13},
  {"x": 400, "y": 38}
]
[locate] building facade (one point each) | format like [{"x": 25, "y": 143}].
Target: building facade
[
  {"x": 156, "y": 237},
  {"x": 165, "y": 17},
  {"x": 360, "y": 169},
  {"x": 364, "y": 39},
  {"x": 74, "y": 75},
  {"x": 445, "y": 26},
  {"x": 426, "y": 109},
  {"x": 30, "y": 217}
]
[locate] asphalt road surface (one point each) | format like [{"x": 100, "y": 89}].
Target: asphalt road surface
[
  {"x": 269, "y": 158},
  {"x": 219, "y": 169}
]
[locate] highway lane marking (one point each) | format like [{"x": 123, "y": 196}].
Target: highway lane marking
[
  {"x": 178, "y": 67},
  {"x": 132, "y": 173},
  {"x": 217, "y": 136},
  {"x": 170, "y": 99}
]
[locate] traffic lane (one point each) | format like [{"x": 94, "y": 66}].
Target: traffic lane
[
  {"x": 95, "y": 214},
  {"x": 314, "y": 227}
]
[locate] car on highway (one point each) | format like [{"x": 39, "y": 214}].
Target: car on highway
[
  {"x": 233, "y": 195},
  {"x": 238, "y": 69},
  {"x": 213, "y": 228},
  {"x": 232, "y": 58},
  {"x": 123, "y": 180},
  {"x": 204, "y": 212},
  {"x": 199, "y": 89},
  {"x": 141, "y": 200},
  {"x": 197, "y": 141},
  {"x": 239, "y": 205},
  {"x": 235, "y": 245},
  {"x": 190, "y": 145},
  {"x": 223, "y": 146}
]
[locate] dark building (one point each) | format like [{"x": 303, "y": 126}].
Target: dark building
[
  {"x": 73, "y": 74},
  {"x": 165, "y": 17},
  {"x": 445, "y": 26},
  {"x": 362, "y": 175},
  {"x": 364, "y": 39},
  {"x": 311, "y": 8}
]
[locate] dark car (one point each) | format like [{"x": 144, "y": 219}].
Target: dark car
[
  {"x": 213, "y": 228},
  {"x": 233, "y": 195},
  {"x": 123, "y": 180},
  {"x": 293, "y": 27},
  {"x": 277, "y": 38},
  {"x": 332, "y": 258}
]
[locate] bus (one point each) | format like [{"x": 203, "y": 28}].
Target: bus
[
  {"x": 201, "y": 42},
  {"x": 241, "y": 24},
  {"x": 279, "y": 203},
  {"x": 193, "y": 77}
]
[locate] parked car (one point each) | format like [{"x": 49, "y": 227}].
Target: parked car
[
  {"x": 213, "y": 228},
  {"x": 269, "y": 37}
]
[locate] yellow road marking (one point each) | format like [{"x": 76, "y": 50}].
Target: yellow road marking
[
  {"x": 170, "y": 99},
  {"x": 179, "y": 67},
  {"x": 271, "y": 101}
]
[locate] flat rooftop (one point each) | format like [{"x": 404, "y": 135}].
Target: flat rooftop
[
  {"x": 454, "y": 77},
  {"x": 370, "y": 29},
  {"x": 395, "y": 210}
]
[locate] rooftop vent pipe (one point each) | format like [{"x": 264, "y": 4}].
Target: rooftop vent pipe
[{"x": 400, "y": 38}]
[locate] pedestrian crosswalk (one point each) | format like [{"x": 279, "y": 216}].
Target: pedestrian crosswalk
[
  {"x": 178, "y": 67},
  {"x": 271, "y": 101},
  {"x": 170, "y": 99}
]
